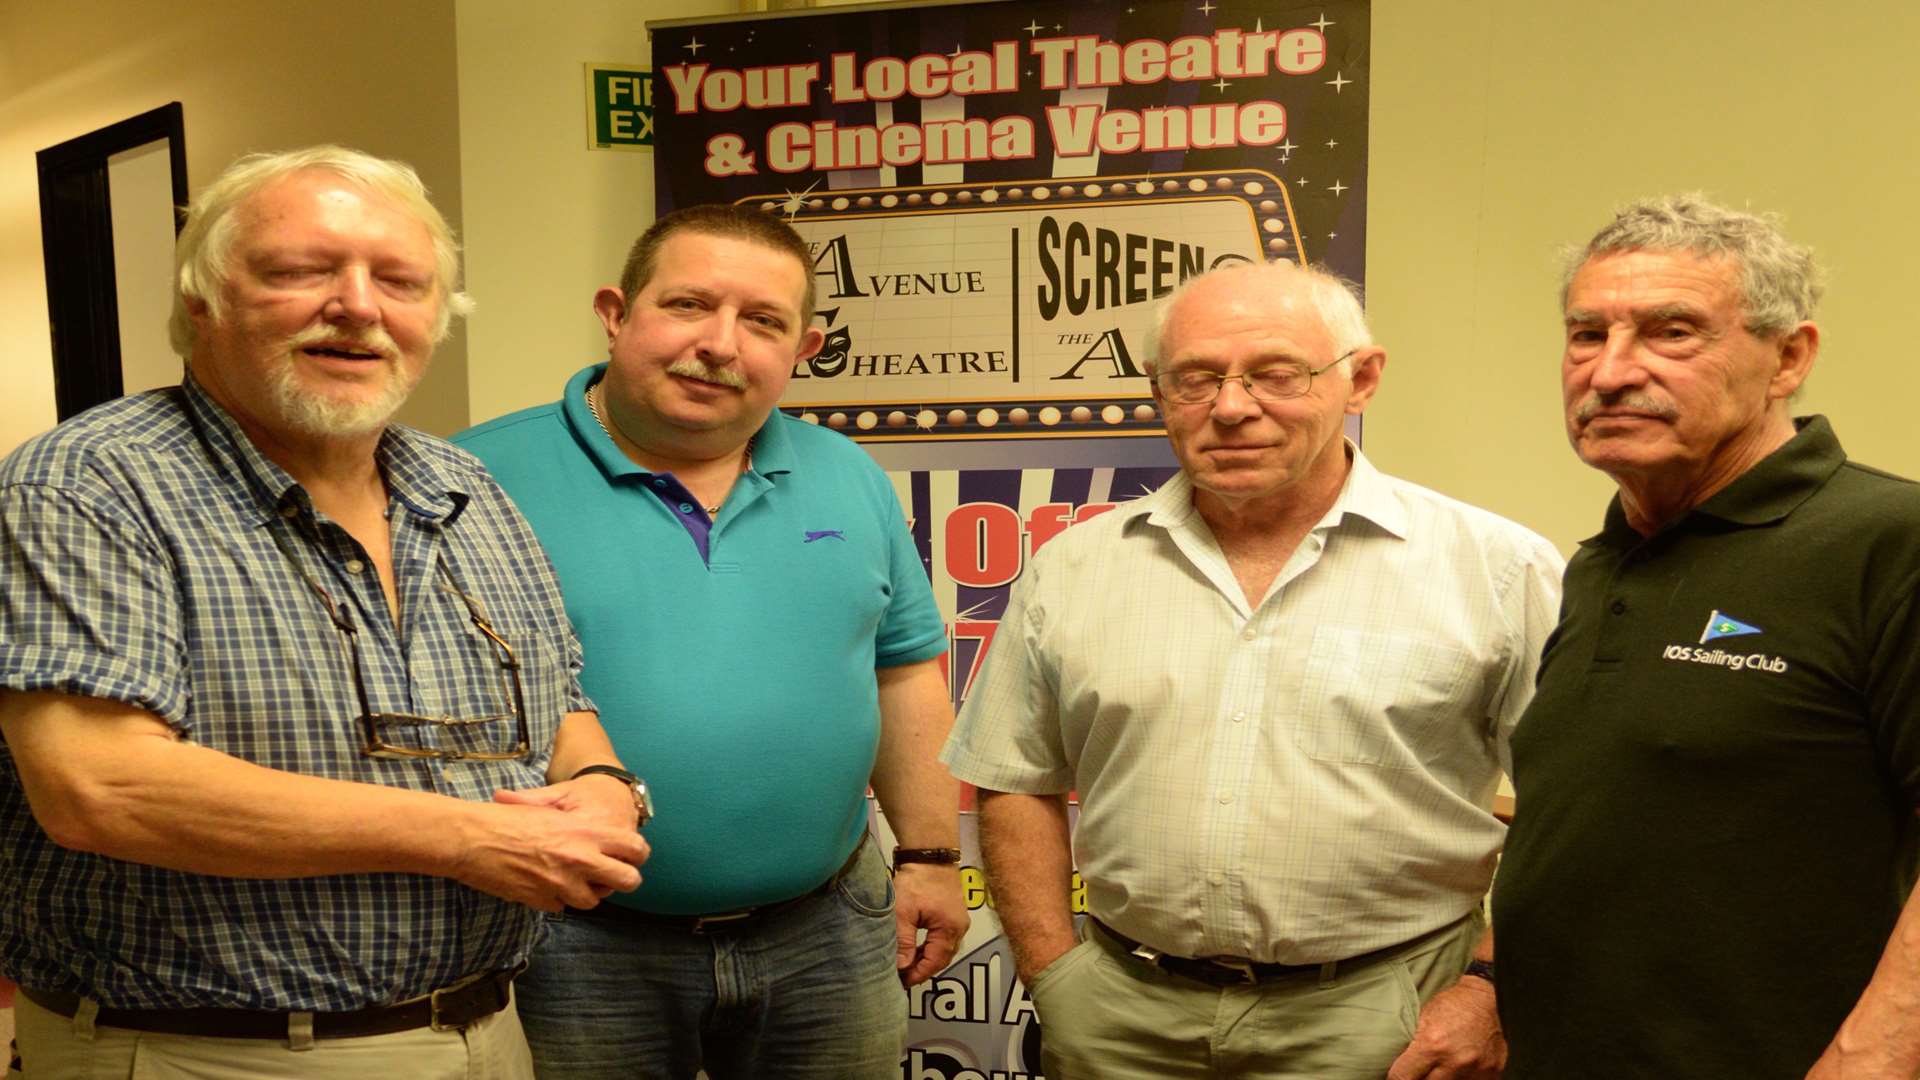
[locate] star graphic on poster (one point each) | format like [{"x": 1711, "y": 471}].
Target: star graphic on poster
[
  {"x": 1033, "y": 27},
  {"x": 1207, "y": 8},
  {"x": 1331, "y": 143},
  {"x": 1287, "y": 148},
  {"x": 956, "y": 51},
  {"x": 1302, "y": 182},
  {"x": 1221, "y": 85},
  {"x": 1322, "y": 24},
  {"x": 1332, "y": 235},
  {"x": 1337, "y": 187},
  {"x": 1339, "y": 80},
  {"x": 693, "y": 46},
  {"x": 973, "y": 612},
  {"x": 796, "y": 199}
]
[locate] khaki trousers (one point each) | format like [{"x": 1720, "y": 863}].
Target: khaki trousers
[
  {"x": 1108, "y": 1015},
  {"x": 54, "y": 1047}
]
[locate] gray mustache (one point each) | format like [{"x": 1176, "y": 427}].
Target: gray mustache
[
  {"x": 694, "y": 369},
  {"x": 1591, "y": 407}
]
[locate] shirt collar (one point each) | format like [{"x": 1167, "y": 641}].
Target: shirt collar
[
  {"x": 1773, "y": 488},
  {"x": 772, "y": 445},
  {"x": 1365, "y": 494},
  {"x": 419, "y": 482}
]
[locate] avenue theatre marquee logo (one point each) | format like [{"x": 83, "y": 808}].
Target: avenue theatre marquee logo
[
  {"x": 1721, "y": 625},
  {"x": 1004, "y": 309}
]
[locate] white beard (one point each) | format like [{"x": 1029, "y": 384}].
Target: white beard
[{"x": 317, "y": 414}]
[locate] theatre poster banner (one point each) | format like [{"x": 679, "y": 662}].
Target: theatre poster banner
[{"x": 995, "y": 195}]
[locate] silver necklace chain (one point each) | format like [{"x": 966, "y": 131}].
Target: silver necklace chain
[{"x": 593, "y": 406}]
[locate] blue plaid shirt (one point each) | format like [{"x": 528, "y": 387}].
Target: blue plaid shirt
[{"x": 140, "y": 565}]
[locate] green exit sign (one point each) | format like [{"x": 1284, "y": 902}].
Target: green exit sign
[{"x": 619, "y": 108}]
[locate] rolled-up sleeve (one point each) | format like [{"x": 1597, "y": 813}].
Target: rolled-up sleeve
[
  {"x": 88, "y": 604},
  {"x": 1007, "y": 737}
]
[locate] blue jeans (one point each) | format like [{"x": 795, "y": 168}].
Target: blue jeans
[{"x": 809, "y": 993}]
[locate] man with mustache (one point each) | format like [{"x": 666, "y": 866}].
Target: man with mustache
[
  {"x": 294, "y": 742},
  {"x": 762, "y": 638},
  {"x": 1282, "y": 686},
  {"x": 1718, "y": 775}
]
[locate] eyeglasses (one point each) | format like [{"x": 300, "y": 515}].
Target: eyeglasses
[
  {"x": 1275, "y": 382},
  {"x": 374, "y": 726}
]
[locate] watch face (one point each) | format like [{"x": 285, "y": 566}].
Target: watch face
[{"x": 643, "y": 800}]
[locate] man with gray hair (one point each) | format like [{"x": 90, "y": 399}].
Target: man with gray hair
[
  {"x": 1718, "y": 775},
  {"x": 1282, "y": 686},
  {"x": 294, "y": 741}
]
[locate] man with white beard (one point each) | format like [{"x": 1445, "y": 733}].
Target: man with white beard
[{"x": 295, "y": 746}]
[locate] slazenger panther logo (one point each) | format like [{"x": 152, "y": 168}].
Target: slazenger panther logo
[
  {"x": 822, "y": 534},
  {"x": 1721, "y": 625}
]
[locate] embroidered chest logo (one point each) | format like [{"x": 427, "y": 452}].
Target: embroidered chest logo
[
  {"x": 822, "y": 534},
  {"x": 1721, "y": 625}
]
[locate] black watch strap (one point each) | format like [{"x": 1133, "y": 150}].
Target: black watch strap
[
  {"x": 1481, "y": 968},
  {"x": 942, "y": 856},
  {"x": 642, "y": 798}
]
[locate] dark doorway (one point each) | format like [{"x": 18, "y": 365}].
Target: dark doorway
[{"x": 77, "y": 239}]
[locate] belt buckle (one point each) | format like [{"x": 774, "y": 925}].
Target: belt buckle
[
  {"x": 700, "y": 923},
  {"x": 1234, "y": 963},
  {"x": 501, "y": 981},
  {"x": 433, "y": 1009}
]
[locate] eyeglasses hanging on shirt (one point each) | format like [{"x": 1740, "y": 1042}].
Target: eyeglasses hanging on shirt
[{"x": 375, "y": 727}]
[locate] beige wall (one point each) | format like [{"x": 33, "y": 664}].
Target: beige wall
[
  {"x": 251, "y": 75},
  {"x": 1503, "y": 128},
  {"x": 548, "y": 220}
]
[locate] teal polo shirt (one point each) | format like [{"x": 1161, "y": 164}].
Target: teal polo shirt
[
  {"x": 740, "y": 683},
  {"x": 1717, "y": 780}
]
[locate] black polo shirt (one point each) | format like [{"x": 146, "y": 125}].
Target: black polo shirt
[{"x": 1717, "y": 779}]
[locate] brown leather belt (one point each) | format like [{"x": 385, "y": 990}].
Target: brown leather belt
[
  {"x": 448, "y": 1009},
  {"x": 721, "y": 921},
  {"x": 1234, "y": 971}
]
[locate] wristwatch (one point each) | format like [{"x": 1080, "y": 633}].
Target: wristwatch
[
  {"x": 940, "y": 856},
  {"x": 1481, "y": 968},
  {"x": 642, "y": 798}
]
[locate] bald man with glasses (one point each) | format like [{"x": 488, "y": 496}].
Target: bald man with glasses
[{"x": 1282, "y": 686}]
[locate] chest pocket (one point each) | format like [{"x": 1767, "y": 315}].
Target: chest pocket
[{"x": 1381, "y": 699}]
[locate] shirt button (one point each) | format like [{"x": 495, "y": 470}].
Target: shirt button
[
  {"x": 660, "y": 482},
  {"x": 686, "y": 508},
  {"x": 1247, "y": 634},
  {"x": 1216, "y": 878},
  {"x": 354, "y": 566},
  {"x": 1619, "y": 607},
  {"x": 1226, "y": 797},
  {"x": 1237, "y": 717}
]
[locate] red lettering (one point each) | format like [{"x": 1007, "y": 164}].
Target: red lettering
[{"x": 983, "y": 545}]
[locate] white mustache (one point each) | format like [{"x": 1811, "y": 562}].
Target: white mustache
[
  {"x": 373, "y": 339},
  {"x": 693, "y": 369}
]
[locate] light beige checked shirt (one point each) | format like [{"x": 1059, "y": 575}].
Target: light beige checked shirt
[{"x": 1300, "y": 782}]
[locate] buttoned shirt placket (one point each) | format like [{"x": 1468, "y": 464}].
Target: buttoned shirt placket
[{"x": 1240, "y": 709}]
